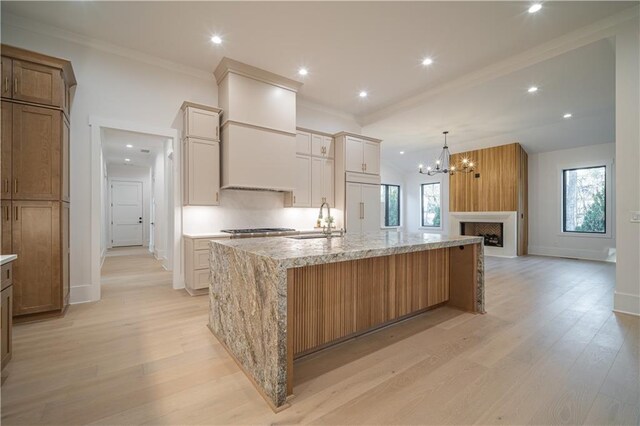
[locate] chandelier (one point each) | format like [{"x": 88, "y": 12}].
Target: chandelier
[{"x": 442, "y": 163}]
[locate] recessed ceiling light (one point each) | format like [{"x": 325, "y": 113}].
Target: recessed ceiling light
[
  {"x": 567, "y": 115},
  {"x": 535, "y": 7},
  {"x": 427, "y": 61},
  {"x": 401, "y": 152},
  {"x": 532, "y": 89},
  {"x": 129, "y": 145},
  {"x": 216, "y": 39},
  {"x": 127, "y": 159},
  {"x": 303, "y": 71},
  {"x": 363, "y": 94}
]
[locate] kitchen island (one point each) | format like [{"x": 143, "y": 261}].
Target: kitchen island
[{"x": 276, "y": 299}]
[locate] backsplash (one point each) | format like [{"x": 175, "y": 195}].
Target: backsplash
[{"x": 249, "y": 209}]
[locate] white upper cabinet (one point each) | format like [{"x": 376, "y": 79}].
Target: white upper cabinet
[
  {"x": 362, "y": 208},
  {"x": 201, "y": 121},
  {"x": 303, "y": 142},
  {"x": 321, "y": 181},
  {"x": 371, "y": 156},
  {"x": 201, "y": 164},
  {"x": 354, "y": 155},
  {"x": 322, "y": 146},
  {"x": 362, "y": 156}
]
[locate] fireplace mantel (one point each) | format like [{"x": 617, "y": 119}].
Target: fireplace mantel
[{"x": 509, "y": 221}]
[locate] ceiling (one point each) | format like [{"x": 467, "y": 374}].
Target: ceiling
[
  {"x": 347, "y": 46},
  {"x": 114, "y": 147},
  {"x": 499, "y": 111}
]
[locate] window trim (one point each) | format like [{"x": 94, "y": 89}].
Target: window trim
[
  {"x": 608, "y": 194},
  {"x": 422, "y": 225},
  {"x": 386, "y": 205}
]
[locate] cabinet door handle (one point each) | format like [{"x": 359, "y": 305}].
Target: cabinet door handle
[
  {"x": 6, "y": 84},
  {"x": 365, "y": 167},
  {"x": 15, "y": 186},
  {"x": 294, "y": 199},
  {"x": 217, "y": 197},
  {"x": 361, "y": 210},
  {"x": 6, "y": 213},
  {"x": 15, "y": 85},
  {"x": 217, "y": 132},
  {"x": 16, "y": 218},
  {"x": 5, "y": 185}
]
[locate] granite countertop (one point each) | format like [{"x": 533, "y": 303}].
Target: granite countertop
[
  {"x": 6, "y": 258},
  {"x": 291, "y": 252}
]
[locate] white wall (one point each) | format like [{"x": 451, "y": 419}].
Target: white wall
[
  {"x": 160, "y": 207},
  {"x": 111, "y": 86},
  {"x": 135, "y": 174},
  {"x": 545, "y": 203},
  {"x": 627, "y": 293},
  {"x": 247, "y": 209},
  {"x": 104, "y": 205},
  {"x": 314, "y": 117}
]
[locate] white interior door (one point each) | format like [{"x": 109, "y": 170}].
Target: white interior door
[
  {"x": 371, "y": 208},
  {"x": 126, "y": 213}
]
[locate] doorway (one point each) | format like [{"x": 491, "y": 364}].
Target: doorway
[{"x": 128, "y": 152}]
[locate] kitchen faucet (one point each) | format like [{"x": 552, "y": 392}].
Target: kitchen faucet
[{"x": 327, "y": 229}]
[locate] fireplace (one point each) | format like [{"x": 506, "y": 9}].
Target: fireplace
[{"x": 491, "y": 231}]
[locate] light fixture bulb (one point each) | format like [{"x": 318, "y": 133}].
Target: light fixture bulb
[
  {"x": 453, "y": 168},
  {"x": 303, "y": 71},
  {"x": 129, "y": 145},
  {"x": 470, "y": 164},
  {"x": 421, "y": 166},
  {"x": 216, "y": 39},
  {"x": 363, "y": 94},
  {"x": 401, "y": 152},
  {"x": 427, "y": 61},
  {"x": 465, "y": 161},
  {"x": 567, "y": 115},
  {"x": 535, "y": 8},
  {"x": 532, "y": 89},
  {"x": 429, "y": 168},
  {"x": 127, "y": 159},
  {"x": 437, "y": 161}
]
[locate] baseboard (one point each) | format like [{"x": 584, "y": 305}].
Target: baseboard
[
  {"x": 103, "y": 255},
  {"x": 570, "y": 253},
  {"x": 159, "y": 254},
  {"x": 81, "y": 294},
  {"x": 626, "y": 303}
]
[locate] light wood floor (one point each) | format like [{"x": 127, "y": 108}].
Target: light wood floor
[{"x": 548, "y": 351}]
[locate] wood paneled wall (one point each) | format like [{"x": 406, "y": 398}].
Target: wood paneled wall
[
  {"x": 332, "y": 301},
  {"x": 499, "y": 183}
]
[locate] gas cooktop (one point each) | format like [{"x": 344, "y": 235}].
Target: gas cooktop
[{"x": 259, "y": 232}]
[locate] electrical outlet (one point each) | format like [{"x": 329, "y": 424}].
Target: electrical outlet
[{"x": 635, "y": 217}]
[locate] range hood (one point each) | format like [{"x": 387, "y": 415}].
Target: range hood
[{"x": 258, "y": 127}]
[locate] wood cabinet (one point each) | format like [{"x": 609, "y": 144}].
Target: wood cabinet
[
  {"x": 35, "y": 179},
  {"x": 499, "y": 183},
  {"x": 7, "y": 81},
  {"x": 7, "y": 214},
  {"x": 37, "y": 83},
  {"x": 201, "y": 155},
  {"x": 201, "y": 172},
  {"x": 196, "y": 264},
  {"x": 36, "y": 153},
  {"x": 6, "y": 317},
  {"x": 5, "y": 160},
  {"x": 363, "y": 207},
  {"x": 37, "y": 243}
]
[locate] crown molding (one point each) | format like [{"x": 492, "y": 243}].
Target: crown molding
[
  {"x": 19, "y": 22},
  {"x": 228, "y": 65},
  {"x": 604, "y": 28}
]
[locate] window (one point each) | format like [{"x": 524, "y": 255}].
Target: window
[
  {"x": 584, "y": 200},
  {"x": 430, "y": 205},
  {"x": 390, "y": 198}
]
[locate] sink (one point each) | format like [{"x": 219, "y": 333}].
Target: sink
[{"x": 311, "y": 237}]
